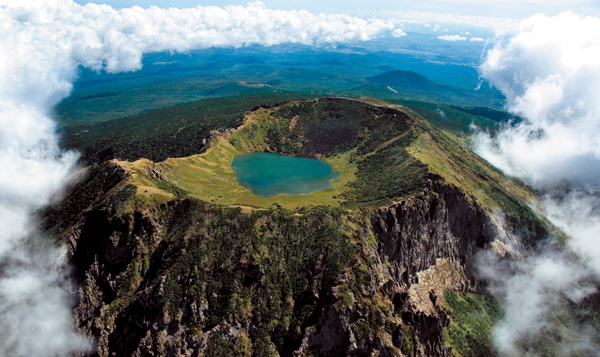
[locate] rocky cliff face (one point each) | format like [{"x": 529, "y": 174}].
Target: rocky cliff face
[
  {"x": 415, "y": 250},
  {"x": 187, "y": 278}
]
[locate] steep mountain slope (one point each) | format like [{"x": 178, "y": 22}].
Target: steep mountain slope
[
  {"x": 174, "y": 258},
  {"x": 407, "y": 85}
]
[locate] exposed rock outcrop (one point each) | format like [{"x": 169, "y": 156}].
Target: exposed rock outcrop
[{"x": 191, "y": 279}]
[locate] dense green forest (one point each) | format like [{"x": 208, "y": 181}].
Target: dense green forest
[
  {"x": 176, "y": 131},
  {"x": 182, "y": 130}
]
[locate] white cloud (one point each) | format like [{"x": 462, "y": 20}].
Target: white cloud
[
  {"x": 532, "y": 290},
  {"x": 36, "y": 320},
  {"x": 398, "y": 33},
  {"x": 476, "y": 39},
  {"x": 41, "y": 45},
  {"x": 452, "y": 38},
  {"x": 550, "y": 73}
]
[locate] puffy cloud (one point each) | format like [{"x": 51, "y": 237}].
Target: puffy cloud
[
  {"x": 550, "y": 73},
  {"x": 41, "y": 45},
  {"x": 534, "y": 293},
  {"x": 36, "y": 320},
  {"x": 452, "y": 38},
  {"x": 476, "y": 39},
  {"x": 101, "y": 37},
  {"x": 398, "y": 33}
]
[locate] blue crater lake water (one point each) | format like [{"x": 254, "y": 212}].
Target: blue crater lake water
[{"x": 269, "y": 175}]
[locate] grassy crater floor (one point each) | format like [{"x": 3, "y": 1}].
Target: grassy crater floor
[
  {"x": 340, "y": 132},
  {"x": 209, "y": 176}
]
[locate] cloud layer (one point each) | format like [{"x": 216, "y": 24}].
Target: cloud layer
[
  {"x": 452, "y": 38},
  {"x": 549, "y": 71},
  {"x": 550, "y": 74},
  {"x": 41, "y": 45}
]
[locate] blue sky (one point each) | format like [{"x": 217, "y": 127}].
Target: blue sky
[{"x": 495, "y": 8}]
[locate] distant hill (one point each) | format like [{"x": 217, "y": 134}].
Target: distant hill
[
  {"x": 384, "y": 68},
  {"x": 495, "y": 115},
  {"x": 255, "y": 69},
  {"x": 333, "y": 62},
  {"x": 248, "y": 60},
  {"x": 405, "y": 80},
  {"x": 216, "y": 66},
  {"x": 305, "y": 74}
]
